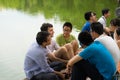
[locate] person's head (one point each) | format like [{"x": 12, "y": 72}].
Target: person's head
[
  {"x": 96, "y": 29},
  {"x": 47, "y": 27},
  {"x": 90, "y": 16},
  {"x": 117, "y": 33},
  {"x": 43, "y": 38},
  {"x": 67, "y": 28},
  {"x": 106, "y": 12},
  {"x": 114, "y": 23},
  {"x": 85, "y": 38},
  {"x": 94, "y": 19}
]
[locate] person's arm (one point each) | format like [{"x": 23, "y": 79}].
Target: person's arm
[
  {"x": 42, "y": 62},
  {"x": 106, "y": 30},
  {"x": 75, "y": 59},
  {"x": 71, "y": 62}
]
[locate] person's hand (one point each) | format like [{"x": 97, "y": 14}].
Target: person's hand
[
  {"x": 68, "y": 69},
  {"x": 62, "y": 76}
]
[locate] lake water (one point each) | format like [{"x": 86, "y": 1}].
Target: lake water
[
  {"x": 20, "y": 20},
  {"x": 17, "y": 32}
]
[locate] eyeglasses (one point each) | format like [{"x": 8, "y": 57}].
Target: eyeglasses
[{"x": 65, "y": 30}]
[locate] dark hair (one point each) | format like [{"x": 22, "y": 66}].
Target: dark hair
[
  {"x": 68, "y": 24},
  {"x": 97, "y": 27},
  {"x": 42, "y": 37},
  {"x": 94, "y": 13},
  {"x": 105, "y": 11},
  {"x": 115, "y": 22},
  {"x": 88, "y": 15},
  {"x": 85, "y": 38},
  {"x": 45, "y": 26},
  {"x": 118, "y": 31}
]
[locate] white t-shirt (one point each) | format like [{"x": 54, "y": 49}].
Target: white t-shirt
[
  {"x": 111, "y": 45},
  {"x": 53, "y": 46},
  {"x": 102, "y": 20}
]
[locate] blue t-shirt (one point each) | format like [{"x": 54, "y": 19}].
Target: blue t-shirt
[
  {"x": 99, "y": 56},
  {"x": 86, "y": 27}
]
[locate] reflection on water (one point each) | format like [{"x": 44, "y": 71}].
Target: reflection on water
[
  {"x": 70, "y": 10},
  {"x": 17, "y": 32}
]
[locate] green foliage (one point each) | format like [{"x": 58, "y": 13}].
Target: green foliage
[{"x": 67, "y": 10}]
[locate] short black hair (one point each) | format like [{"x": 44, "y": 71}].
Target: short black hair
[
  {"x": 87, "y": 15},
  {"x": 94, "y": 13},
  {"x": 42, "y": 37},
  {"x": 105, "y": 11},
  {"x": 45, "y": 26},
  {"x": 85, "y": 38},
  {"x": 97, "y": 27},
  {"x": 115, "y": 22},
  {"x": 68, "y": 24},
  {"x": 118, "y": 31}
]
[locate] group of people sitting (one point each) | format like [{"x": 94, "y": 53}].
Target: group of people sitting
[{"x": 97, "y": 57}]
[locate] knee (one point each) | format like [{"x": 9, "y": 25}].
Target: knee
[
  {"x": 74, "y": 43},
  {"x": 63, "y": 49},
  {"x": 68, "y": 46}
]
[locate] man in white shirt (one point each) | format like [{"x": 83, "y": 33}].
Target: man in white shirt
[
  {"x": 102, "y": 19},
  {"x": 107, "y": 41}
]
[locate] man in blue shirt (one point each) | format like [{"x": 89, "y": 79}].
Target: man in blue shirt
[
  {"x": 90, "y": 18},
  {"x": 95, "y": 61},
  {"x": 35, "y": 65}
]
